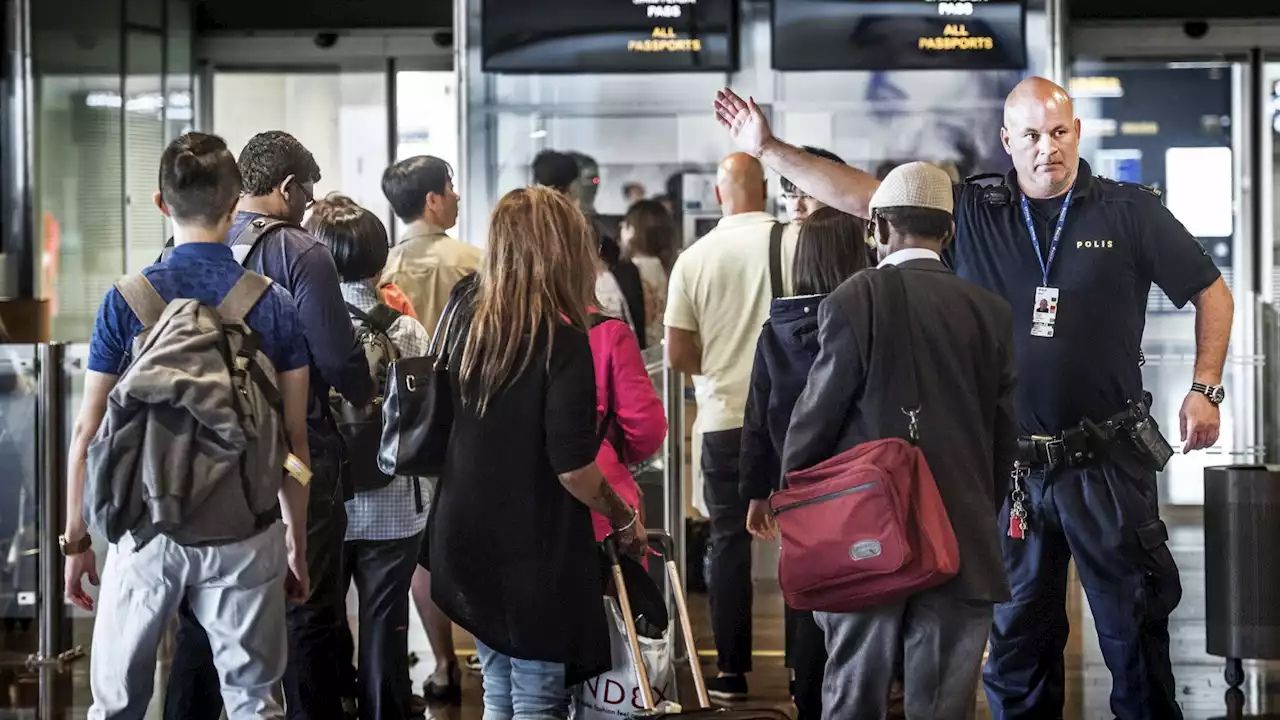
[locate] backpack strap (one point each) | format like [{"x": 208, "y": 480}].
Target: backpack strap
[
  {"x": 166, "y": 251},
  {"x": 775, "y": 260},
  {"x": 242, "y": 296},
  {"x": 247, "y": 240},
  {"x": 142, "y": 298},
  {"x": 381, "y": 318}
]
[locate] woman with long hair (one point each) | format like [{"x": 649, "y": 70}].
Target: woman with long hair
[
  {"x": 648, "y": 239},
  {"x": 512, "y": 553},
  {"x": 831, "y": 249}
]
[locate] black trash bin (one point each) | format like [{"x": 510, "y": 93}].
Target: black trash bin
[{"x": 1242, "y": 576}]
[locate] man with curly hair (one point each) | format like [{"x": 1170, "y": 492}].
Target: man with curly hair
[{"x": 279, "y": 176}]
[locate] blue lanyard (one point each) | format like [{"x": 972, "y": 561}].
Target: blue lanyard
[{"x": 1046, "y": 264}]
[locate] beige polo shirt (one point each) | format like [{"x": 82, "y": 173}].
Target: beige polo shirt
[
  {"x": 425, "y": 265},
  {"x": 719, "y": 289}
]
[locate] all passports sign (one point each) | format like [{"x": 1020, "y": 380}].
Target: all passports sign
[
  {"x": 665, "y": 38},
  {"x": 604, "y": 36},
  {"x": 899, "y": 35}
]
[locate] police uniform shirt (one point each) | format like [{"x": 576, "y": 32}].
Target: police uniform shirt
[{"x": 1118, "y": 239}]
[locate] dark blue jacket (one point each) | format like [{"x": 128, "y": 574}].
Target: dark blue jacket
[{"x": 785, "y": 352}]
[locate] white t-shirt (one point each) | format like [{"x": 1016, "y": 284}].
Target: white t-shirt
[{"x": 720, "y": 289}]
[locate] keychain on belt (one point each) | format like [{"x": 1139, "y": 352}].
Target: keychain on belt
[{"x": 1018, "y": 512}]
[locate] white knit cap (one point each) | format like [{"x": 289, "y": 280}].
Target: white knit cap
[{"x": 916, "y": 184}]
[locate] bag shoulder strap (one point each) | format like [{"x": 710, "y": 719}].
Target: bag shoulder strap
[
  {"x": 897, "y": 318},
  {"x": 775, "y": 260},
  {"x": 141, "y": 297},
  {"x": 610, "y": 416},
  {"x": 439, "y": 347},
  {"x": 242, "y": 296},
  {"x": 382, "y": 317},
  {"x": 594, "y": 320},
  {"x": 359, "y": 314},
  {"x": 253, "y": 232}
]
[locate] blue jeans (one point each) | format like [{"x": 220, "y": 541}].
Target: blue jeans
[{"x": 522, "y": 689}]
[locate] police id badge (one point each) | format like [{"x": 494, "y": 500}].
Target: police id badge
[{"x": 1045, "y": 314}]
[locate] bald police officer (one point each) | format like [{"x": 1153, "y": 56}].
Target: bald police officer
[{"x": 1075, "y": 255}]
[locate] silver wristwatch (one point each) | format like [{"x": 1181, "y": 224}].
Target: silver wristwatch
[{"x": 1215, "y": 393}]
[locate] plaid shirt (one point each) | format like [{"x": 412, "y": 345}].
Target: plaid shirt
[{"x": 390, "y": 512}]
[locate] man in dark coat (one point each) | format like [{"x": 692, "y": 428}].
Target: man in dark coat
[{"x": 961, "y": 346}]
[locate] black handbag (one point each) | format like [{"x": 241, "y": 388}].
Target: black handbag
[{"x": 417, "y": 408}]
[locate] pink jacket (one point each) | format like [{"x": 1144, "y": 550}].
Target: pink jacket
[{"x": 640, "y": 423}]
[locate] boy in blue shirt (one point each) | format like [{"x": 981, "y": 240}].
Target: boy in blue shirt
[{"x": 238, "y": 589}]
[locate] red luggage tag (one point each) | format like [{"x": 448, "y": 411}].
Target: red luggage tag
[{"x": 1016, "y": 531}]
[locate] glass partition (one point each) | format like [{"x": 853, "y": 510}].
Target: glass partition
[
  {"x": 19, "y": 528},
  {"x": 107, "y": 99},
  {"x": 78, "y": 624},
  {"x": 144, "y": 141},
  {"x": 1178, "y": 128},
  {"x": 79, "y": 165}
]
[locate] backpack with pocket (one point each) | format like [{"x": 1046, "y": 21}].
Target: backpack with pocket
[
  {"x": 192, "y": 445},
  {"x": 361, "y": 426}
]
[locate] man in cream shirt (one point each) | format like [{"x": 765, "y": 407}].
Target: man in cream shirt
[
  {"x": 426, "y": 263},
  {"x": 717, "y": 301}
]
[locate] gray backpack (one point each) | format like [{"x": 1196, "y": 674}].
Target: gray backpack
[{"x": 192, "y": 445}]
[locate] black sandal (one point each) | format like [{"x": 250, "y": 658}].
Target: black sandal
[{"x": 450, "y": 691}]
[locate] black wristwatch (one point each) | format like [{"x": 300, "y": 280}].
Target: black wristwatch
[{"x": 1215, "y": 393}]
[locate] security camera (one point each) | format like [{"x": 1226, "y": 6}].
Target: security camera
[
  {"x": 326, "y": 40},
  {"x": 1195, "y": 29},
  {"x": 443, "y": 39}
]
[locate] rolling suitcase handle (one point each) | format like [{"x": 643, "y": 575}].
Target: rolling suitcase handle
[{"x": 667, "y": 547}]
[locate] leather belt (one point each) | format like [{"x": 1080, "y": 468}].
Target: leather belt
[{"x": 1069, "y": 448}]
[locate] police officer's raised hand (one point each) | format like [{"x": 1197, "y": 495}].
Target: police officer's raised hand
[
  {"x": 744, "y": 121},
  {"x": 1199, "y": 421}
]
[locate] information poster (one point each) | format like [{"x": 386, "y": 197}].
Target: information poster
[
  {"x": 899, "y": 35},
  {"x": 608, "y": 36}
]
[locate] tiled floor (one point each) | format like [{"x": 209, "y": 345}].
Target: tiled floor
[{"x": 1200, "y": 677}]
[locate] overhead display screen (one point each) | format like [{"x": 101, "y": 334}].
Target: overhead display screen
[
  {"x": 608, "y": 36},
  {"x": 899, "y": 35}
]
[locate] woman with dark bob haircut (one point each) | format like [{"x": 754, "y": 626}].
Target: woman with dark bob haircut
[
  {"x": 384, "y": 525},
  {"x": 831, "y": 249}
]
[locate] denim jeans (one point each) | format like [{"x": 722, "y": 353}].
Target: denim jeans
[{"x": 522, "y": 689}]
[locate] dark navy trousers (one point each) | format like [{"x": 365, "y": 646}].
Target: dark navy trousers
[{"x": 1108, "y": 520}]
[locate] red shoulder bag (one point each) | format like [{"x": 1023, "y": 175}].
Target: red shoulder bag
[{"x": 867, "y": 527}]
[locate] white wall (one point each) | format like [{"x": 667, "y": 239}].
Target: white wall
[{"x": 340, "y": 118}]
